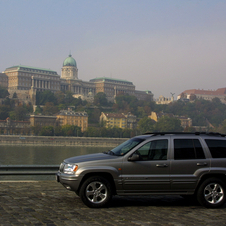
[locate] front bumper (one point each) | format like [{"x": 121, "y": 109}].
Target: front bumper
[{"x": 70, "y": 182}]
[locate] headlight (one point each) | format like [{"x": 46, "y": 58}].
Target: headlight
[{"x": 70, "y": 168}]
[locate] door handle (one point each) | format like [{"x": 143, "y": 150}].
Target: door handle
[
  {"x": 202, "y": 164},
  {"x": 161, "y": 165}
]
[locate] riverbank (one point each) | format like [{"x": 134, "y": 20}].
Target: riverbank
[{"x": 60, "y": 141}]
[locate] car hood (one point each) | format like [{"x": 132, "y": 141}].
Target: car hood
[{"x": 90, "y": 157}]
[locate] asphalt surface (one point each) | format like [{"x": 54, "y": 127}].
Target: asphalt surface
[{"x": 49, "y": 203}]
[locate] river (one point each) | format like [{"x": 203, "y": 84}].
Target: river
[
  {"x": 39, "y": 155},
  {"x": 42, "y": 155}
]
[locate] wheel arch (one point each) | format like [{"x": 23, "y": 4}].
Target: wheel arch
[
  {"x": 220, "y": 176},
  {"x": 105, "y": 175}
]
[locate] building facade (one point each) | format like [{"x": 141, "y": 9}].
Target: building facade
[
  {"x": 26, "y": 81},
  {"x": 119, "y": 120},
  {"x": 12, "y": 127},
  {"x": 43, "y": 120},
  {"x": 69, "y": 117},
  {"x": 164, "y": 100},
  {"x": 185, "y": 122},
  {"x": 192, "y": 94}
]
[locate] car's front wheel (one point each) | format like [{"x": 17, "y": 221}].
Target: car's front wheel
[
  {"x": 96, "y": 192},
  {"x": 212, "y": 193}
]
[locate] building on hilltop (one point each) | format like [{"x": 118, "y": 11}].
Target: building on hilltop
[
  {"x": 25, "y": 81},
  {"x": 192, "y": 94},
  {"x": 164, "y": 100},
  {"x": 9, "y": 127},
  {"x": 3, "y": 80},
  {"x": 43, "y": 120},
  {"x": 185, "y": 122},
  {"x": 119, "y": 120},
  {"x": 69, "y": 117}
]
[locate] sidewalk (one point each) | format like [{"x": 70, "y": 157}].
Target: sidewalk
[{"x": 49, "y": 203}]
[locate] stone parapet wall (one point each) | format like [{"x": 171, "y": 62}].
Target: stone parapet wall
[{"x": 60, "y": 141}]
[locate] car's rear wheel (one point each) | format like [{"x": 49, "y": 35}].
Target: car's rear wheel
[
  {"x": 212, "y": 193},
  {"x": 96, "y": 192}
]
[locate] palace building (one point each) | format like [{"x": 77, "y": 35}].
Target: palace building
[{"x": 25, "y": 81}]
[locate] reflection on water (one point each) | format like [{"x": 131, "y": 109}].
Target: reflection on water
[{"x": 42, "y": 155}]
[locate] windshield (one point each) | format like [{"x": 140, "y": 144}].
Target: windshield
[{"x": 123, "y": 148}]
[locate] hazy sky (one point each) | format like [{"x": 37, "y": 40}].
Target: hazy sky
[{"x": 165, "y": 46}]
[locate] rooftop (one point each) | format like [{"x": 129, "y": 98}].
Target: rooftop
[
  {"x": 27, "y": 68},
  {"x": 103, "y": 79}
]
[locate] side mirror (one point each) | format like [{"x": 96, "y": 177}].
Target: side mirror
[{"x": 134, "y": 157}]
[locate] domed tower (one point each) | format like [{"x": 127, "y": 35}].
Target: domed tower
[{"x": 69, "y": 69}]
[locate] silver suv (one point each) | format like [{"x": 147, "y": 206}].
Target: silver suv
[{"x": 186, "y": 164}]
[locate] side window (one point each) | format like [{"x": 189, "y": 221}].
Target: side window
[
  {"x": 154, "y": 150},
  {"x": 217, "y": 148},
  {"x": 188, "y": 149}
]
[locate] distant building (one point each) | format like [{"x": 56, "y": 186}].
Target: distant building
[
  {"x": 164, "y": 100},
  {"x": 25, "y": 81},
  {"x": 131, "y": 121},
  {"x": 3, "y": 80},
  {"x": 185, "y": 122},
  {"x": 43, "y": 120},
  {"x": 204, "y": 94},
  {"x": 69, "y": 117},
  {"x": 10, "y": 127},
  {"x": 119, "y": 120}
]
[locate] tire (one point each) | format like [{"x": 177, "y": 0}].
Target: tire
[
  {"x": 96, "y": 192},
  {"x": 212, "y": 193}
]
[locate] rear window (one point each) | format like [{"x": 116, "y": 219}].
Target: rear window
[
  {"x": 188, "y": 149},
  {"x": 217, "y": 148}
]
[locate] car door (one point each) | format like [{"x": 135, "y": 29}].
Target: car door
[
  {"x": 150, "y": 172},
  {"x": 188, "y": 163}
]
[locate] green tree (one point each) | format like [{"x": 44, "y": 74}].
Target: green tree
[
  {"x": 100, "y": 99},
  {"x": 15, "y": 95},
  {"x": 59, "y": 97},
  {"x": 167, "y": 124},
  {"x": 44, "y": 97},
  {"x": 50, "y": 109},
  {"x": 69, "y": 98},
  {"x": 58, "y": 131},
  {"x": 47, "y": 131},
  {"x": 4, "y": 111},
  {"x": 19, "y": 113},
  {"x": 36, "y": 130},
  {"x": 3, "y": 92},
  {"x": 222, "y": 128},
  {"x": 146, "y": 125},
  {"x": 71, "y": 130}
]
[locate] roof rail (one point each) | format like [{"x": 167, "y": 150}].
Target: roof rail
[{"x": 193, "y": 133}]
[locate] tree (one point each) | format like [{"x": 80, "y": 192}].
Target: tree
[
  {"x": 146, "y": 125},
  {"x": 71, "y": 130},
  {"x": 69, "y": 98},
  {"x": 100, "y": 99},
  {"x": 44, "y": 97},
  {"x": 47, "y": 131},
  {"x": 50, "y": 109},
  {"x": 15, "y": 95},
  {"x": 3, "y": 92},
  {"x": 222, "y": 128},
  {"x": 4, "y": 111},
  {"x": 167, "y": 124},
  {"x": 19, "y": 113},
  {"x": 59, "y": 97}
]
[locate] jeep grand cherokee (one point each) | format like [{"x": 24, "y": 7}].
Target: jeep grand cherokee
[{"x": 186, "y": 164}]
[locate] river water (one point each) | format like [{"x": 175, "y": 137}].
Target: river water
[
  {"x": 39, "y": 155},
  {"x": 42, "y": 155}
]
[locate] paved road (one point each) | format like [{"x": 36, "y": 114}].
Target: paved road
[{"x": 49, "y": 203}]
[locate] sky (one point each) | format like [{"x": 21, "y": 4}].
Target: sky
[{"x": 165, "y": 46}]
